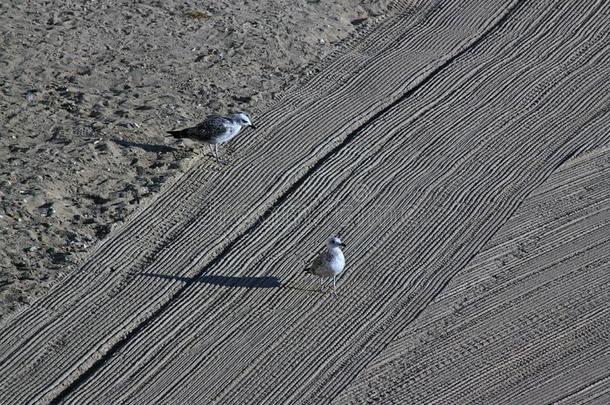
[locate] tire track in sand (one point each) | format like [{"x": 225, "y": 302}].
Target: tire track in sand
[
  {"x": 527, "y": 320},
  {"x": 57, "y": 339},
  {"x": 450, "y": 164}
]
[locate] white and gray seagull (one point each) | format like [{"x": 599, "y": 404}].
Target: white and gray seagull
[
  {"x": 329, "y": 263},
  {"x": 215, "y": 130}
]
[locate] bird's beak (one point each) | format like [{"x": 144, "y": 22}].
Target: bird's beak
[
  {"x": 252, "y": 126},
  {"x": 342, "y": 245}
]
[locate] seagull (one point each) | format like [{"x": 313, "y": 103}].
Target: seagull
[
  {"x": 330, "y": 263},
  {"x": 215, "y": 129}
]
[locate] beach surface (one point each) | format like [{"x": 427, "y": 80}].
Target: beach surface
[{"x": 462, "y": 151}]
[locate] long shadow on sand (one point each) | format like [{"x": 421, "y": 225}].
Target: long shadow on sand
[
  {"x": 224, "y": 281},
  {"x": 144, "y": 146}
]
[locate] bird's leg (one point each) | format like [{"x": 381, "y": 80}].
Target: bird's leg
[
  {"x": 335, "y": 285},
  {"x": 211, "y": 149},
  {"x": 218, "y": 159}
]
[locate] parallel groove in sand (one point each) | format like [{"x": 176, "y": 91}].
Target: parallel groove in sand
[
  {"x": 198, "y": 350},
  {"x": 485, "y": 313},
  {"x": 170, "y": 200},
  {"x": 96, "y": 306}
]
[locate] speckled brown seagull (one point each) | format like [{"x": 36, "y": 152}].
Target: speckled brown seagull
[{"x": 215, "y": 130}]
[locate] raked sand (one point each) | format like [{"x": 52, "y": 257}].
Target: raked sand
[{"x": 461, "y": 150}]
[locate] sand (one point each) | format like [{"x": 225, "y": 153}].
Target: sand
[
  {"x": 89, "y": 89},
  {"x": 461, "y": 150},
  {"x": 527, "y": 320}
]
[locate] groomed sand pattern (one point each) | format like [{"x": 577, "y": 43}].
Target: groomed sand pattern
[{"x": 459, "y": 148}]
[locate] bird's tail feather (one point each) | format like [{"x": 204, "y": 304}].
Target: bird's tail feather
[{"x": 181, "y": 133}]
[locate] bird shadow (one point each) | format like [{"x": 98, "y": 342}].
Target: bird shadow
[
  {"x": 223, "y": 281},
  {"x": 145, "y": 146},
  {"x": 309, "y": 286}
]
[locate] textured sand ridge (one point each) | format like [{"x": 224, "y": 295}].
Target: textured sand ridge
[
  {"x": 434, "y": 139},
  {"x": 527, "y": 320}
]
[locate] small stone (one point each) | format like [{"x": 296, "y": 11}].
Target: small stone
[
  {"x": 30, "y": 96},
  {"x": 357, "y": 21},
  {"x": 54, "y": 19},
  {"x": 128, "y": 124}
]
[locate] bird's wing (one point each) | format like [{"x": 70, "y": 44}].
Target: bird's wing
[
  {"x": 212, "y": 125},
  {"x": 317, "y": 262}
]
